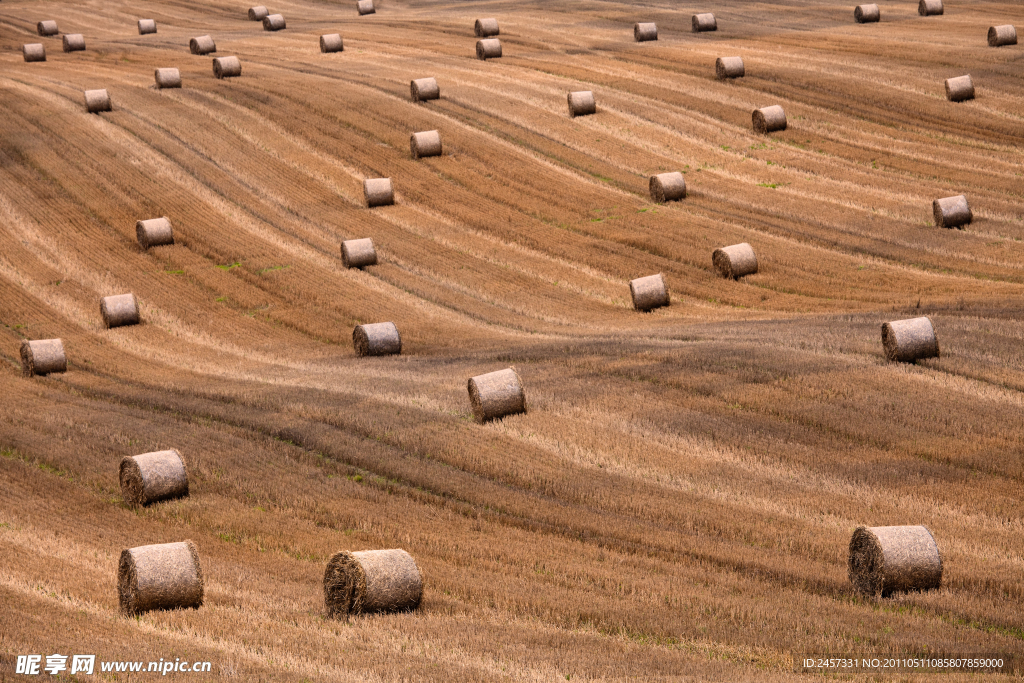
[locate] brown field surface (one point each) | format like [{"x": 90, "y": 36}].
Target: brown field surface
[{"x": 678, "y": 501}]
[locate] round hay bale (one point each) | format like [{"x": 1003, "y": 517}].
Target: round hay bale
[
  {"x": 644, "y": 32},
  {"x": 43, "y": 356},
  {"x": 167, "y": 78},
  {"x": 1002, "y": 35},
  {"x": 960, "y": 88},
  {"x": 667, "y": 187},
  {"x": 425, "y": 144},
  {"x": 273, "y": 22},
  {"x": 73, "y": 42},
  {"x": 497, "y": 394},
  {"x": 150, "y": 477},
  {"x": 377, "y": 339},
  {"x": 47, "y": 28},
  {"x": 704, "y": 22},
  {"x": 34, "y": 52},
  {"x": 729, "y": 67},
  {"x": 769, "y": 119},
  {"x": 358, "y": 253},
  {"x": 485, "y": 28},
  {"x": 371, "y": 581},
  {"x": 331, "y": 43},
  {"x": 890, "y": 559},
  {"x": 227, "y": 67},
  {"x": 488, "y": 48},
  {"x": 379, "y": 192},
  {"x": 155, "y": 232},
  {"x": 97, "y": 101},
  {"x": 906, "y": 341},
  {"x": 423, "y": 89},
  {"x": 581, "y": 103},
  {"x": 147, "y": 26},
  {"x": 649, "y": 292},
  {"x": 928, "y": 8},
  {"x": 203, "y": 45},
  {"x": 258, "y": 13},
  {"x": 164, "y": 576},
  {"x": 952, "y": 212},
  {"x": 735, "y": 261},
  {"x": 365, "y": 7},
  {"x": 119, "y": 310},
  {"x": 867, "y": 14}
]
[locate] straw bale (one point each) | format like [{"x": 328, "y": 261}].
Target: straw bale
[
  {"x": 34, "y": 52},
  {"x": 164, "y": 576},
  {"x": 704, "y": 22},
  {"x": 377, "y": 339},
  {"x": 735, "y": 261},
  {"x": 151, "y": 477},
  {"x": 928, "y": 8},
  {"x": 1002, "y": 35},
  {"x": 258, "y": 13},
  {"x": 667, "y": 187},
  {"x": 155, "y": 232},
  {"x": 891, "y": 559},
  {"x": 365, "y": 7},
  {"x": 379, "y": 192},
  {"x": 73, "y": 42},
  {"x": 97, "y": 101},
  {"x": 358, "y": 253},
  {"x": 769, "y": 119},
  {"x": 119, "y": 310},
  {"x": 43, "y": 356},
  {"x": 273, "y": 22},
  {"x": 147, "y": 26},
  {"x": 227, "y": 67},
  {"x": 581, "y": 103},
  {"x": 497, "y": 394},
  {"x": 167, "y": 78},
  {"x": 488, "y": 48},
  {"x": 425, "y": 144},
  {"x": 47, "y": 28},
  {"x": 203, "y": 45},
  {"x": 485, "y": 28},
  {"x": 332, "y": 42},
  {"x": 643, "y": 32},
  {"x": 952, "y": 212},
  {"x": 649, "y": 292},
  {"x": 729, "y": 67},
  {"x": 867, "y": 14},
  {"x": 960, "y": 88},
  {"x": 370, "y": 581},
  {"x": 909, "y": 340},
  {"x": 423, "y": 89}
]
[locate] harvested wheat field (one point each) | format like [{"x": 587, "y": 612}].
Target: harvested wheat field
[{"x": 678, "y": 500}]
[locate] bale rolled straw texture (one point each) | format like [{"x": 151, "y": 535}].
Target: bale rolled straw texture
[
  {"x": 227, "y": 67},
  {"x": 704, "y": 22},
  {"x": 34, "y": 52},
  {"x": 154, "y": 232},
  {"x": 960, "y": 88},
  {"x": 119, "y": 310},
  {"x": 202, "y": 45},
  {"x": 643, "y": 32},
  {"x": 47, "y": 28},
  {"x": 371, "y": 581},
  {"x": 1002, "y": 35},
  {"x": 729, "y": 67},
  {"x": 97, "y": 101},
  {"x": 167, "y": 78},
  {"x": 73, "y": 42},
  {"x": 332, "y": 42},
  {"x": 906, "y": 341},
  {"x": 378, "y": 192},
  {"x": 377, "y": 339},
  {"x": 43, "y": 356},
  {"x": 890, "y": 559},
  {"x": 667, "y": 187},
  {"x": 358, "y": 253},
  {"x": 488, "y": 48},
  {"x": 147, "y": 26},
  {"x": 365, "y": 7},
  {"x": 649, "y": 292},
  {"x": 497, "y": 394},
  {"x": 151, "y": 477},
  {"x": 425, "y": 144},
  {"x": 582, "y": 103},
  {"x": 952, "y": 212},
  {"x": 867, "y": 14},
  {"x": 423, "y": 89},
  {"x": 928, "y": 8},
  {"x": 735, "y": 261},
  {"x": 258, "y": 13},
  {"x": 485, "y": 28},
  {"x": 164, "y": 576},
  {"x": 769, "y": 119},
  {"x": 274, "y": 22}
]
